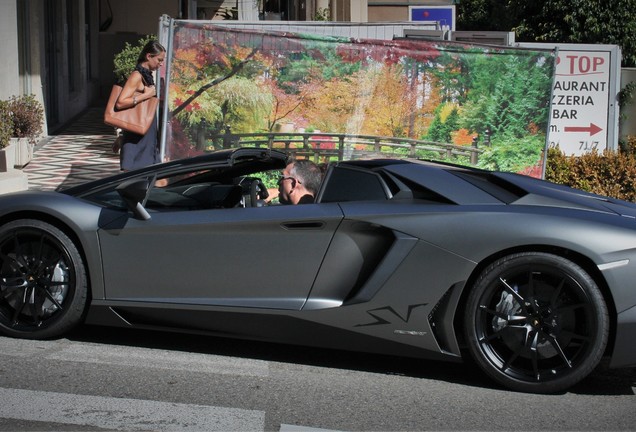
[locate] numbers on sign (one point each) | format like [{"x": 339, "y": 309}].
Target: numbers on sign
[{"x": 588, "y": 145}]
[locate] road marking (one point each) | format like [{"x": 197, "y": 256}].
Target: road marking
[
  {"x": 124, "y": 414},
  {"x": 294, "y": 428},
  {"x": 135, "y": 357},
  {"x": 131, "y": 414}
]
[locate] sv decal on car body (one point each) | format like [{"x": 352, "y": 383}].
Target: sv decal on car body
[{"x": 375, "y": 313}]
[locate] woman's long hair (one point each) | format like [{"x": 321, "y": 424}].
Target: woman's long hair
[{"x": 153, "y": 47}]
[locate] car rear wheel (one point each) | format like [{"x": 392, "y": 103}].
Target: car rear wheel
[
  {"x": 43, "y": 288},
  {"x": 536, "y": 322}
]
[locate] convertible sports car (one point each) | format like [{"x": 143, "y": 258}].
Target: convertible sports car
[{"x": 535, "y": 281}]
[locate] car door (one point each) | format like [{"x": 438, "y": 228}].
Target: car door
[{"x": 265, "y": 257}]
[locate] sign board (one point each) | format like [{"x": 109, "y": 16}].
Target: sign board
[
  {"x": 445, "y": 15},
  {"x": 584, "y": 108}
]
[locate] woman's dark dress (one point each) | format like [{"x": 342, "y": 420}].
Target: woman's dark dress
[{"x": 138, "y": 151}]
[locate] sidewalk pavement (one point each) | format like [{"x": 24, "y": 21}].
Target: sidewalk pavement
[{"x": 79, "y": 152}]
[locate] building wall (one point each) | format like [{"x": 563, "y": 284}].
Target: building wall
[
  {"x": 48, "y": 50},
  {"x": 359, "y": 11},
  {"x": 349, "y": 10},
  {"x": 398, "y": 10},
  {"x": 124, "y": 22},
  {"x": 388, "y": 13},
  {"x": 136, "y": 16},
  {"x": 68, "y": 86},
  {"x": 21, "y": 53},
  {"x": 9, "y": 84},
  {"x": 32, "y": 53}
]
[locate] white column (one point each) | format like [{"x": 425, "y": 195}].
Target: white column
[
  {"x": 248, "y": 10},
  {"x": 359, "y": 11}
]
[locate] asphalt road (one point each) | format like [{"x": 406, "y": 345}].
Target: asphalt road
[{"x": 112, "y": 379}]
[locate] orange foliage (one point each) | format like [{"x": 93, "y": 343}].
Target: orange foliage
[
  {"x": 462, "y": 137},
  {"x": 391, "y": 103},
  {"x": 383, "y": 102},
  {"x": 533, "y": 128},
  {"x": 290, "y": 106},
  {"x": 333, "y": 104}
]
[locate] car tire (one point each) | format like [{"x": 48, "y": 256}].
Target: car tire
[
  {"x": 536, "y": 322},
  {"x": 43, "y": 284}
]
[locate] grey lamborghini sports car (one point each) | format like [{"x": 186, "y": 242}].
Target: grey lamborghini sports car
[{"x": 536, "y": 282}]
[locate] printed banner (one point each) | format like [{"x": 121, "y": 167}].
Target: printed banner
[{"x": 336, "y": 97}]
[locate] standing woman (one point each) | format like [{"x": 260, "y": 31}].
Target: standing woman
[{"x": 138, "y": 151}]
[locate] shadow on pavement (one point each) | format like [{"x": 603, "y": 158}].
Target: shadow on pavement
[{"x": 600, "y": 382}]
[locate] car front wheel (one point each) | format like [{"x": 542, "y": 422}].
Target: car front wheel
[
  {"x": 536, "y": 322},
  {"x": 43, "y": 287}
]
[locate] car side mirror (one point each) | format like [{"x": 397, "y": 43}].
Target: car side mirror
[{"x": 134, "y": 193}]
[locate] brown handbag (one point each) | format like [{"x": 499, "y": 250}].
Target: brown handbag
[{"x": 136, "y": 119}]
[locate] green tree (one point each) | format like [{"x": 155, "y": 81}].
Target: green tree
[
  {"x": 513, "y": 154},
  {"x": 445, "y": 122},
  {"x": 125, "y": 61},
  {"x": 453, "y": 81},
  {"x": 503, "y": 92},
  {"x": 303, "y": 67},
  {"x": 565, "y": 21},
  {"x": 506, "y": 95}
]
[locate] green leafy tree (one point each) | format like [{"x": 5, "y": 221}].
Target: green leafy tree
[
  {"x": 572, "y": 21},
  {"x": 513, "y": 154},
  {"x": 451, "y": 76},
  {"x": 234, "y": 101},
  {"x": 304, "y": 67},
  {"x": 502, "y": 92},
  {"x": 506, "y": 95},
  {"x": 445, "y": 122},
  {"x": 125, "y": 61},
  {"x": 585, "y": 21}
]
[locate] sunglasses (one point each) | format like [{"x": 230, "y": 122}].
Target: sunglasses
[{"x": 294, "y": 181}]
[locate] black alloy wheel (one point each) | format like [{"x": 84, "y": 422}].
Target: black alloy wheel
[
  {"x": 43, "y": 288},
  {"x": 536, "y": 322}
]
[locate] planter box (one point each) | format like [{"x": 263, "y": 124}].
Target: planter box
[
  {"x": 13, "y": 181},
  {"x": 23, "y": 152},
  {"x": 7, "y": 157}
]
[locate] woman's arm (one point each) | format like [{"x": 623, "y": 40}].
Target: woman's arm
[{"x": 134, "y": 91}]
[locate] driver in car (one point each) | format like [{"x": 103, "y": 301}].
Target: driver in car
[{"x": 299, "y": 183}]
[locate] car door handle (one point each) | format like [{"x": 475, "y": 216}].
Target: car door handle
[{"x": 303, "y": 225}]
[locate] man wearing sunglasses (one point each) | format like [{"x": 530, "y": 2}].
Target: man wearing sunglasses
[{"x": 299, "y": 183}]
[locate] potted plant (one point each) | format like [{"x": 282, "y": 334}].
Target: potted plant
[
  {"x": 7, "y": 148},
  {"x": 27, "y": 114}
]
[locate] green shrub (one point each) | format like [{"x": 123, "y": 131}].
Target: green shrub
[
  {"x": 126, "y": 60},
  {"x": 508, "y": 153},
  {"x": 27, "y": 115},
  {"x": 608, "y": 173},
  {"x": 6, "y": 124},
  {"x": 629, "y": 145},
  {"x": 322, "y": 14}
]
